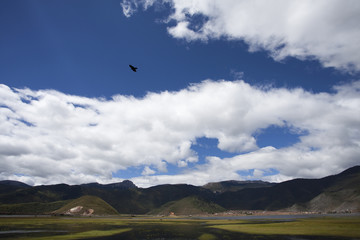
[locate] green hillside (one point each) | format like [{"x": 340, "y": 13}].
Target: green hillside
[
  {"x": 31, "y": 208},
  {"x": 298, "y": 192},
  {"x": 87, "y": 205},
  {"x": 336, "y": 193},
  {"x": 187, "y": 206},
  {"x": 342, "y": 196}
]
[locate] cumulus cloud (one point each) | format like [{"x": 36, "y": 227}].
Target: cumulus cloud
[
  {"x": 147, "y": 171},
  {"x": 49, "y": 137},
  {"x": 326, "y": 30}
]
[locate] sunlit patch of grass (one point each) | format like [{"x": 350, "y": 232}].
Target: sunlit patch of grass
[
  {"x": 80, "y": 235},
  {"x": 207, "y": 236},
  {"x": 225, "y": 221},
  {"x": 163, "y": 221},
  {"x": 344, "y": 227}
]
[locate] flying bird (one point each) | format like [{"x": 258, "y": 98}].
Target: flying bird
[{"x": 133, "y": 68}]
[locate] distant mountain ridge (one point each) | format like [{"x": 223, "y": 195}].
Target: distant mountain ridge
[
  {"x": 299, "y": 192},
  {"x": 336, "y": 193},
  {"x": 10, "y": 185},
  {"x": 13, "y": 183},
  {"x": 126, "y": 184},
  {"x": 233, "y": 185}
]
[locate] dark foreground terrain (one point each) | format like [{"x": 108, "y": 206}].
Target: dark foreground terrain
[{"x": 61, "y": 228}]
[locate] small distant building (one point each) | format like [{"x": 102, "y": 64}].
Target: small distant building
[{"x": 171, "y": 214}]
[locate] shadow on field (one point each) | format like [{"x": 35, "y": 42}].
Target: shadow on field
[{"x": 197, "y": 231}]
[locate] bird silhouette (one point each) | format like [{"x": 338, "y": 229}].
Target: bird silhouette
[{"x": 133, "y": 68}]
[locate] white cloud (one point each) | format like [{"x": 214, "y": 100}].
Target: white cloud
[
  {"x": 327, "y": 30},
  {"x": 49, "y": 137},
  {"x": 147, "y": 171},
  {"x": 129, "y": 7}
]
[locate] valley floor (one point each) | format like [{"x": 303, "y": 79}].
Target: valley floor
[{"x": 146, "y": 227}]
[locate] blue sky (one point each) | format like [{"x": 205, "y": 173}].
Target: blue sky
[{"x": 219, "y": 93}]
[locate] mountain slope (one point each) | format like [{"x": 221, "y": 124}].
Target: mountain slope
[
  {"x": 342, "y": 196},
  {"x": 87, "y": 205},
  {"x": 9, "y": 185},
  {"x": 333, "y": 193},
  {"x": 32, "y": 208},
  {"x": 187, "y": 206},
  {"x": 286, "y": 194},
  {"x": 233, "y": 186}
]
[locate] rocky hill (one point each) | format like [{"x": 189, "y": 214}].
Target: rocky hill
[{"x": 86, "y": 206}]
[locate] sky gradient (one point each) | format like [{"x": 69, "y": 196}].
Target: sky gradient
[{"x": 224, "y": 90}]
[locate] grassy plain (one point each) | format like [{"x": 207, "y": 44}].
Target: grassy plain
[
  {"x": 339, "y": 226},
  {"x": 61, "y": 228}
]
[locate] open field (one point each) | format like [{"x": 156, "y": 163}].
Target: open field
[
  {"x": 345, "y": 227},
  {"x": 61, "y": 228}
]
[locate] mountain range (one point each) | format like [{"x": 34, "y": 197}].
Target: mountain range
[{"x": 336, "y": 193}]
